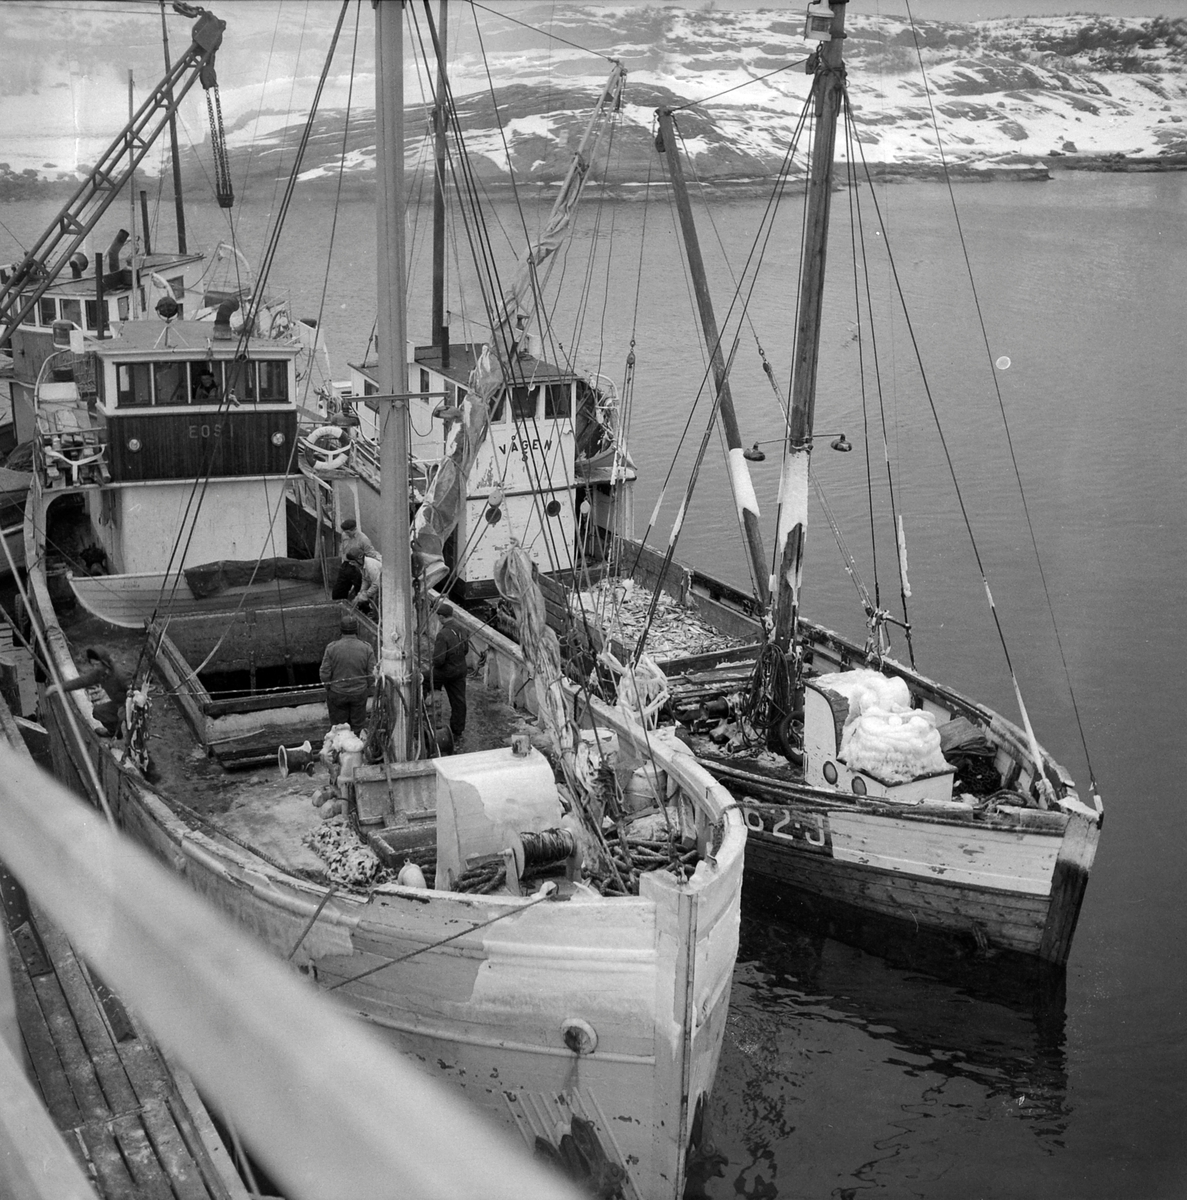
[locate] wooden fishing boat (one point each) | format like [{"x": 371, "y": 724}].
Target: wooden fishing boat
[
  {"x": 570, "y": 970},
  {"x": 983, "y": 834}
]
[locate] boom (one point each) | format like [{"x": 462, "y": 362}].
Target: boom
[{"x": 70, "y": 228}]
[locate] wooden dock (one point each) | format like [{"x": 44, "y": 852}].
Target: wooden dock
[{"x": 136, "y": 1128}]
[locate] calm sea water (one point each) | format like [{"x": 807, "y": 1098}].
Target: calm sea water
[{"x": 855, "y": 1065}]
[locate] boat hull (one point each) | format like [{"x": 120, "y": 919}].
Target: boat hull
[
  {"x": 609, "y": 1010},
  {"x": 1014, "y": 889}
]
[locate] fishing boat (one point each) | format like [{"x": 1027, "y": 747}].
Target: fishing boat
[
  {"x": 863, "y": 781},
  {"x": 549, "y": 921}
]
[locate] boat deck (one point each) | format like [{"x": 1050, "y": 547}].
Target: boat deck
[
  {"x": 258, "y": 809},
  {"x": 135, "y": 1128}
]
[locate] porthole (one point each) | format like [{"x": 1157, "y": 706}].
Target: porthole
[
  {"x": 830, "y": 772},
  {"x": 278, "y": 438},
  {"x": 858, "y": 785},
  {"x": 133, "y": 444}
]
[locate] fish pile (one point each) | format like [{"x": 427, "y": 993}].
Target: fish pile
[{"x": 622, "y": 606}]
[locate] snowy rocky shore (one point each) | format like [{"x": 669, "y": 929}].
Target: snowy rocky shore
[{"x": 1013, "y": 98}]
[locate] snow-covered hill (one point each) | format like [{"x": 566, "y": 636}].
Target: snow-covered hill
[{"x": 999, "y": 92}]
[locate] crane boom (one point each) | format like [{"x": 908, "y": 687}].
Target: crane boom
[{"x": 70, "y": 228}]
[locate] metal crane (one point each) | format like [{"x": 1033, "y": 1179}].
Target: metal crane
[{"x": 44, "y": 262}]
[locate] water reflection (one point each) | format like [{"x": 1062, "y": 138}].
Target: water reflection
[{"x": 859, "y": 1056}]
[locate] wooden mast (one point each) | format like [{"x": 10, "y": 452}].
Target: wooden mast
[
  {"x": 743, "y": 490},
  {"x": 440, "y": 119},
  {"x": 395, "y": 655},
  {"x": 827, "y": 93}
]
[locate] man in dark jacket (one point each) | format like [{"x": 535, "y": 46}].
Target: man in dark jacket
[
  {"x": 448, "y": 669},
  {"x": 346, "y": 670},
  {"x": 101, "y": 671}
]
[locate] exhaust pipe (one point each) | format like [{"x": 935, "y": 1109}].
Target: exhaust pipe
[
  {"x": 222, "y": 318},
  {"x": 113, "y": 251},
  {"x": 78, "y": 264}
]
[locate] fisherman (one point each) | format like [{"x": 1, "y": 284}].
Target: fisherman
[
  {"x": 448, "y": 669},
  {"x": 353, "y": 536},
  {"x": 346, "y": 670},
  {"x": 102, "y": 672},
  {"x": 207, "y": 388},
  {"x": 366, "y": 599}
]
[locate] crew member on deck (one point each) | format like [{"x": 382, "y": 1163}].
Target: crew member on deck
[
  {"x": 101, "y": 671},
  {"x": 346, "y": 670},
  {"x": 353, "y": 536},
  {"x": 448, "y": 669},
  {"x": 366, "y": 599}
]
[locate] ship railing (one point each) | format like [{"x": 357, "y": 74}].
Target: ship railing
[
  {"x": 319, "y": 1100},
  {"x": 70, "y": 449}
]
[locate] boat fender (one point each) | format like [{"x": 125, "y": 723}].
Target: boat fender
[{"x": 412, "y": 876}]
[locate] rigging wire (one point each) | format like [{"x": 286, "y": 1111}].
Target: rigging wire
[
  {"x": 321, "y": 307},
  {"x": 1005, "y": 424},
  {"x": 857, "y": 236},
  {"x": 797, "y": 65}
]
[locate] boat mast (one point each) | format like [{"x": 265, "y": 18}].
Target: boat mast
[
  {"x": 395, "y": 655},
  {"x": 440, "y": 117},
  {"x": 178, "y": 205},
  {"x": 828, "y": 88},
  {"x": 743, "y": 490}
]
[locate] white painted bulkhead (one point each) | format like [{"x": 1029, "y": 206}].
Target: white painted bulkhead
[{"x": 234, "y": 521}]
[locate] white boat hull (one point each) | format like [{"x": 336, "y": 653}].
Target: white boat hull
[{"x": 648, "y": 975}]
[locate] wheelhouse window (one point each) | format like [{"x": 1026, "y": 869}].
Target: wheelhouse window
[
  {"x": 47, "y": 311},
  {"x": 424, "y": 381},
  {"x": 206, "y": 382},
  {"x": 170, "y": 384},
  {"x": 123, "y": 307},
  {"x": 274, "y": 382},
  {"x": 133, "y": 385},
  {"x": 523, "y": 403},
  {"x": 31, "y": 316},
  {"x": 72, "y": 311},
  {"x": 92, "y": 307},
  {"x": 370, "y": 389},
  {"x": 557, "y": 406},
  {"x": 241, "y": 382}
]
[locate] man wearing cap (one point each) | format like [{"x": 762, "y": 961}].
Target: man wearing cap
[
  {"x": 353, "y": 536},
  {"x": 448, "y": 669},
  {"x": 346, "y": 670}
]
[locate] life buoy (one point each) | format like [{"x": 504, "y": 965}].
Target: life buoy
[{"x": 324, "y": 457}]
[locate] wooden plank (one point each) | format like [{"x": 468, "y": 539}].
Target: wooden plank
[
  {"x": 309, "y": 695},
  {"x": 140, "y": 1158},
  {"x": 114, "y": 1180},
  {"x": 92, "y": 1028},
  {"x": 51, "y": 1074},
  {"x": 184, "y": 1174},
  {"x": 37, "y": 1163},
  {"x": 92, "y": 1104}
]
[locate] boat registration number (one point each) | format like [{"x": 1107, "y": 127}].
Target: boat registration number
[{"x": 809, "y": 831}]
